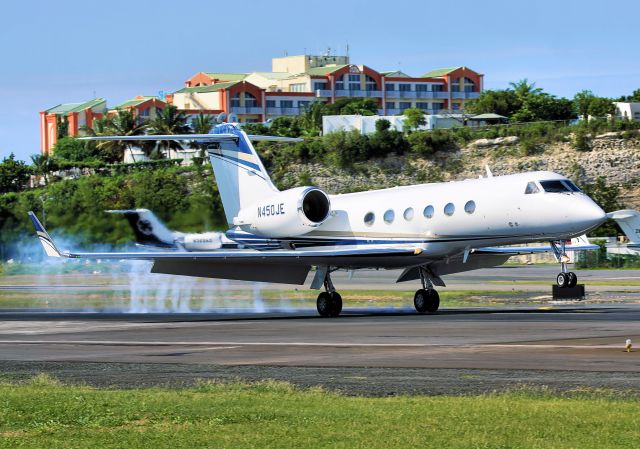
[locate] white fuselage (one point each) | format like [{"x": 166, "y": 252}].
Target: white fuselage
[{"x": 502, "y": 214}]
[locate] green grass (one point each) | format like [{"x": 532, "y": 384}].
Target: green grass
[
  {"x": 104, "y": 298},
  {"x": 44, "y": 414},
  {"x": 602, "y": 283}
]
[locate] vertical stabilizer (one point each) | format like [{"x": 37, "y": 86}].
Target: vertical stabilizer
[
  {"x": 629, "y": 222},
  {"x": 241, "y": 177}
]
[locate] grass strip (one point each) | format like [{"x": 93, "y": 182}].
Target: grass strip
[{"x": 42, "y": 413}]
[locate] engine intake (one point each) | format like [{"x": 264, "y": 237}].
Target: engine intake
[{"x": 286, "y": 214}]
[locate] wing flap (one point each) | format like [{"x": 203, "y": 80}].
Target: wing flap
[{"x": 237, "y": 270}]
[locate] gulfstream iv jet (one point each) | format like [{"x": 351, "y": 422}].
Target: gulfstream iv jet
[{"x": 427, "y": 230}]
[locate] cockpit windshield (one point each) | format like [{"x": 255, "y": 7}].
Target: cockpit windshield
[{"x": 559, "y": 186}]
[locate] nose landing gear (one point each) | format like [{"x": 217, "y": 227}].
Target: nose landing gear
[
  {"x": 427, "y": 299},
  {"x": 565, "y": 278}
]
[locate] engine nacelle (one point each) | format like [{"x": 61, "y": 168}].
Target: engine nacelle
[
  {"x": 286, "y": 214},
  {"x": 203, "y": 242}
]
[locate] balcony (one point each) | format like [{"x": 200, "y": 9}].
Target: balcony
[
  {"x": 465, "y": 95},
  {"x": 323, "y": 93},
  {"x": 283, "y": 111},
  {"x": 359, "y": 93},
  {"x": 246, "y": 110}
]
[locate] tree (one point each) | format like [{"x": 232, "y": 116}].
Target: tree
[
  {"x": 606, "y": 196},
  {"x": 360, "y": 106},
  {"x": 524, "y": 88},
  {"x": 71, "y": 149},
  {"x": 543, "y": 107},
  {"x": 169, "y": 121},
  {"x": 502, "y": 102},
  {"x": 587, "y": 104},
  {"x": 123, "y": 123},
  {"x": 202, "y": 124},
  {"x": 13, "y": 174},
  {"x": 601, "y": 107},
  {"x": 312, "y": 118},
  {"x": 413, "y": 119},
  {"x": 581, "y": 102},
  {"x": 42, "y": 166},
  {"x": 634, "y": 97}
]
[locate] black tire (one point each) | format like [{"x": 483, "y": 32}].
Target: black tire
[
  {"x": 573, "y": 280},
  {"x": 562, "y": 280},
  {"x": 324, "y": 304},
  {"x": 420, "y": 300},
  {"x": 433, "y": 301},
  {"x": 336, "y": 304}
]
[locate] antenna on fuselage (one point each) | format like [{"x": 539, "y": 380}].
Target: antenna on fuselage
[{"x": 488, "y": 170}]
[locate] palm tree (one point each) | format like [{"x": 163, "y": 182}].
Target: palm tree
[
  {"x": 123, "y": 123},
  {"x": 170, "y": 121},
  {"x": 42, "y": 166},
  {"x": 202, "y": 124},
  {"x": 523, "y": 88}
]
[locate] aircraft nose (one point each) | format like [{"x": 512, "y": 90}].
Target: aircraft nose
[{"x": 591, "y": 214}]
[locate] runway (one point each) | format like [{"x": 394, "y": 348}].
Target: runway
[{"x": 458, "y": 350}]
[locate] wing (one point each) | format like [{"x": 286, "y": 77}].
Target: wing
[
  {"x": 285, "y": 266},
  {"x": 202, "y": 137}
]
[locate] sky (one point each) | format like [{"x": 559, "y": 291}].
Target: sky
[{"x": 72, "y": 51}]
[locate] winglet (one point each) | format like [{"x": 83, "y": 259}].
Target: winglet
[{"x": 47, "y": 243}]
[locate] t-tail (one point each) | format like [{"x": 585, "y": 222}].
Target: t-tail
[
  {"x": 629, "y": 222},
  {"x": 148, "y": 229},
  {"x": 241, "y": 177}
]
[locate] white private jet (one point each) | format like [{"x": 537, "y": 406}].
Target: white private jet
[
  {"x": 428, "y": 230},
  {"x": 151, "y": 233}
]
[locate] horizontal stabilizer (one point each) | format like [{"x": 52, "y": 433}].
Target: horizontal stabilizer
[{"x": 201, "y": 137}]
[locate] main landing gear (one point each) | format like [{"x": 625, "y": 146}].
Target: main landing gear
[
  {"x": 427, "y": 299},
  {"x": 329, "y": 302},
  {"x": 566, "y": 278}
]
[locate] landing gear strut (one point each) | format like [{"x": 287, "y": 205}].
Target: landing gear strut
[
  {"x": 565, "y": 278},
  {"x": 329, "y": 302},
  {"x": 427, "y": 299}
]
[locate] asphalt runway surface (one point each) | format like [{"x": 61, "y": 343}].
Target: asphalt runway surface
[{"x": 456, "y": 351}]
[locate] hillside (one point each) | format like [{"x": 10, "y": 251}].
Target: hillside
[{"x": 614, "y": 158}]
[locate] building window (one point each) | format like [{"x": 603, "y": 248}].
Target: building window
[
  {"x": 249, "y": 100},
  {"x": 297, "y": 87},
  {"x": 428, "y": 212},
  {"x": 470, "y": 207},
  {"x": 390, "y": 87},
  {"x": 304, "y": 104},
  {"x": 408, "y": 214},
  {"x": 405, "y": 105},
  {"x": 422, "y": 88},
  {"x": 449, "y": 209},
  {"x": 437, "y": 106},
  {"x": 370, "y": 83},
  {"x": 286, "y": 103},
  {"x": 469, "y": 85},
  {"x": 354, "y": 86},
  {"x": 390, "y": 104},
  {"x": 340, "y": 86},
  {"x": 455, "y": 106},
  {"x": 389, "y": 216},
  {"x": 423, "y": 106},
  {"x": 369, "y": 218},
  {"x": 319, "y": 85},
  {"x": 235, "y": 101},
  {"x": 271, "y": 103},
  {"x": 404, "y": 87},
  {"x": 437, "y": 88},
  {"x": 354, "y": 77}
]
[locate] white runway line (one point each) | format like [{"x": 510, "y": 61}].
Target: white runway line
[{"x": 303, "y": 344}]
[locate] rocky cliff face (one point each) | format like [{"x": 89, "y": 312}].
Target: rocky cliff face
[{"x": 617, "y": 159}]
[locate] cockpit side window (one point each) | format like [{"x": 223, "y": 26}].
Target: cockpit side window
[
  {"x": 531, "y": 188},
  {"x": 572, "y": 186},
  {"x": 555, "y": 186}
]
